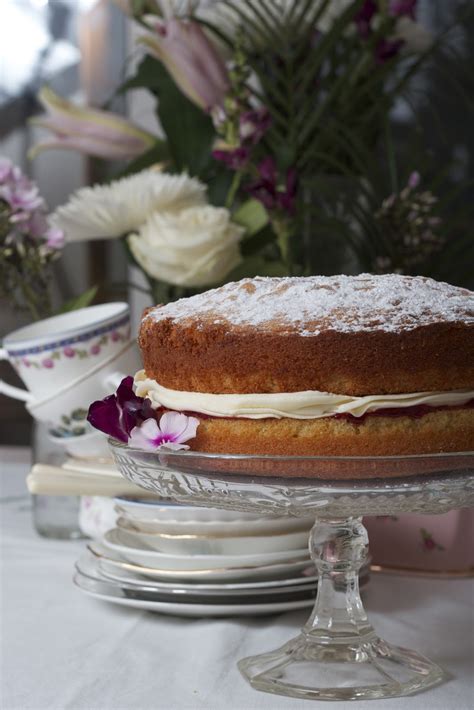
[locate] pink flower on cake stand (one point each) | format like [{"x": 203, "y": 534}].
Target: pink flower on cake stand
[{"x": 171, "y": 432}]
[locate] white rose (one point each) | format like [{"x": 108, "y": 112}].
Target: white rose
[
  {"x": 195, "y": 247},
  {"x": 107, "y": 211}
]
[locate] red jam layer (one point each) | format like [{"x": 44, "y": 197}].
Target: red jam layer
[{"x": 415, "y": 412}]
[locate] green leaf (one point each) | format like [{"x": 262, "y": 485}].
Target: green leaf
[
  {"x": 189, "y": 130},
  {"x": 219, "y": 180},
  {"x": 257, "y": 243},
  {"x": 145, "y": 77},
  {"x": 82, "y": 301},
  {"x": 252, "y": 215}
]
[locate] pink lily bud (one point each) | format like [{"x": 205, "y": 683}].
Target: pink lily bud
[
  {"x": 99, "y": 133},
  {"x": 191, "y": 59}
]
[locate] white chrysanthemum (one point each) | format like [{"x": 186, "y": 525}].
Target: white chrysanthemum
[
  {"x": 195, "y": 247},
  {"x": 107, "y": 211}
]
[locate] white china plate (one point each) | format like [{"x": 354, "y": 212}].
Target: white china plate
[
  {"x": 228, "y": 528},
  {"x": 108, "y": 592},
  {"x": 90, "y": 566},
  {"x": 274, "y": 586},
  {"x": 192, "y": 544},
  {"x": 232, "y": 574},
  {"x": 169, "y": 517},
  {"x": 132, "y": 551}
]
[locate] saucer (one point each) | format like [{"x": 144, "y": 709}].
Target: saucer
[
  {"x": 106, "y": 591},
  {"x": 230, "y": 574},
  {"x": 131, "y": 550}
]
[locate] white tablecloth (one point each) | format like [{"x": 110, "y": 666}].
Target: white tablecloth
[{"x": 62, "y": 650}]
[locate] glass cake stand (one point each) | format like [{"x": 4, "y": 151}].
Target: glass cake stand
[{"x": 337, "y": 655}]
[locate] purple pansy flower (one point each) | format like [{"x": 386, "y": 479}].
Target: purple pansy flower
[
  {"x": 119, "y": 413},
  {"x": 171, "y": 432}
]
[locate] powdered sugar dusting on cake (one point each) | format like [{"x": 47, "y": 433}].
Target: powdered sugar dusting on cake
[{"x": 309, "y": 305}]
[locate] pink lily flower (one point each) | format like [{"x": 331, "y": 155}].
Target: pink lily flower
[
  {"x": 171, "y": 432},
  {"x": 99, "y": 133},
  {"x": 191, "y": 59}
]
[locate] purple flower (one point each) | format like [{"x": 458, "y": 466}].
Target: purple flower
[
  {"x": 119, "y": 413},
  {"x": 95, "y": 349},
  {"x": 54, "y": 238},
  {"x": 69, "y": 352},
  {"x": 364, "y": 16},
  {"x": 99, "y": 133},
  {"x": 414, "y": 180},
  {"x": 253, "y": 125},
  {"x": 267, "y": 190},
  {"x": 171, "y": 432},
  {"x": 402, "y": 8},
  {"x": 386, "y": 49},
  {"x": 192, "y": 60},
  {"x": 234, "y": 159},
  {"x": 20, "y": 193},
  {"x": 47, "y": 362}
]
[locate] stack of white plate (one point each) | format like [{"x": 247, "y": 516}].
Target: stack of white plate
[{"x": 180, "y": 559}]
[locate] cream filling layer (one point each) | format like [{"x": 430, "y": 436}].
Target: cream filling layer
[{"x": 291, "y": 405}]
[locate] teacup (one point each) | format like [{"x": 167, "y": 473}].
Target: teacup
[
  {"x": 66, "y": 409},
  {"x": 50, "y": 354},
  {"x": 91, "y": 445}
]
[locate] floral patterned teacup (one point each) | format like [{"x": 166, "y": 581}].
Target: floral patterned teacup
[
  {"x": 423, "y": 543},
  {"x": 65, "y": 410},
  {"x": 54, "y": 352}
]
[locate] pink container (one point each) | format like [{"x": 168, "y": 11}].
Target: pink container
[{"x": 438, "y": 544}]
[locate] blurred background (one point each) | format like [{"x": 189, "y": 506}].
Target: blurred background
[{"x": 83, "y": 49}]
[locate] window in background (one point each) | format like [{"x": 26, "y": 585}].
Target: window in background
[{"x": 77, "y": 47}]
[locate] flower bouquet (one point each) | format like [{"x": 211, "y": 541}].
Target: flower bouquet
[
  {"x": 28, "y": 243},
  {"x": 276, "y": 153}
]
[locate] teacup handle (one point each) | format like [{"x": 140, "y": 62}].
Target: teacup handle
[
  {"x": 10, "y": 390},
  {"x": 114, "y": 379}
]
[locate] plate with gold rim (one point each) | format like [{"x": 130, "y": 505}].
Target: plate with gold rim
[
  {"x": 210, "y": 544},
  {"x": 90, "y": 567},
  {"x": 292, "y": 567},
  {"x": 133, "y": 551}
]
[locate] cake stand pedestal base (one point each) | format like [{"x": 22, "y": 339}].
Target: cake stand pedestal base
[{"x": 338, "y": 656}]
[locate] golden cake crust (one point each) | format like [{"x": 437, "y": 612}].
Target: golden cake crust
[
  {"x": 396, "y": 334},
  {"x": 440, "y": 431}
]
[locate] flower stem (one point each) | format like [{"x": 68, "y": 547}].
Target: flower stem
[
  {"x": 392, "y": 163},
  {"x": 236, "y": 180}
]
